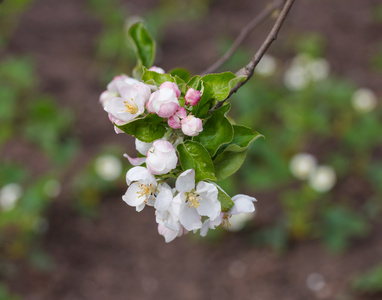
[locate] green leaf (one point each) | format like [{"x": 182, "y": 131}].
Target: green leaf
[
  {"x": 227, "y": 163},
  {"x": 154, "y": 78},
  {"x": 181, "y": 73},
  {"x": 225, "y": 200},
  {"x": 242, "y": 138},
  {"x": 216, "y": 131},
  {"x": 144, "y": 45},
  {"x": 194, "y": 82},
  {"x": 146, "y": 129},
  {"x": 222, "y": 83},
  {"x": 193, "y": 155},
  {"x": 206, "y": 101}
]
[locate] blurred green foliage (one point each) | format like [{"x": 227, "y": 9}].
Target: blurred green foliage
[{"x": 369, "y": 282}]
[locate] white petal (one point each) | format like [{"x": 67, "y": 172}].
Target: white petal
[
  {"x": 164, "y": 199},
  {"x": 242, "y": 204},
  {"x": 190, "y": 218},
  {"x": 131, "y": 195},
  {"x": 209, "y": 203},
  {"x": 186, "y": 181},
  {"x": 140, "y": 174},
  {"x": 168, "y": 234}
]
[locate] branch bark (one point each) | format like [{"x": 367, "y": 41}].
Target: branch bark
[
  {"x": 250, "y": 67},
  {"x": 260, "y": 18}
]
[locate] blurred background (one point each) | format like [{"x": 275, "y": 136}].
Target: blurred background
[{"x": 65, "y": 233}]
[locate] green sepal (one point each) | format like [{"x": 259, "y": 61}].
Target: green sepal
[
  {"x": 144, "y": 45},
  {"x": 192, "y": 155},
  {"x": 225, "y": 200},
  {"x": 146, "y": 129},
  {"x": 222, "y": 83},
  {"x": 217, "y": 130}
]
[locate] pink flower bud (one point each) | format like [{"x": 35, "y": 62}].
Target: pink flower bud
[
  {"x": 161, "y": 158},
  {"x": 181, "y": 112},
  {"x": 170, "y": 85},
  {"x": 191, "y": 126},
  {"x": 192, "y": 97},
  {"x": 174, "y": 122}
]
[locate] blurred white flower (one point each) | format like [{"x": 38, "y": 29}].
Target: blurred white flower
[
  {"x": 315, "y": 282},
  {"x": 319, "y": 69},
  {"x": 267, "y": 66},
  {"x": 108, "y": 167},
  {"x": 304, "y": 69},
  {"x": 302, "y": 165},
  {"x": 9, "y": 194},
  {"x": 364, "y": 100},
  {"x": 52, "y": 188},
  {"x": 322, "y": 179}
]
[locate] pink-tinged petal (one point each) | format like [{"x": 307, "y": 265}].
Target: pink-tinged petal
[
  {"x": 167, "y": 109},
  {"x": 242, "y": 204},
  {"x": 173, "y": 122},
  {"x": 186, "y": 181},
  {"x": 170, "y": 85},
  {"x": 142, "y": 147},
  {"x": 168, "y": 234},
  {"x": 190, "y": 218},
  {"x": 135, "y": 161},
  {"x": 181, "y": 112},
  {"x": 164, "y": 199},
  {"x": 192, "y": 97},
  {"x": 157, "y": 70}
]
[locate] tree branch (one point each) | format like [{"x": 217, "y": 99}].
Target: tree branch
[
  {"x": 250, "y": 68},
  {"x": 260, "y": 18}
]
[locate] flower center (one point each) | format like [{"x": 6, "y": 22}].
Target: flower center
[
  {"x": 225, "y": 221},
  {"x": 131, "y": 107},
  {"x": 146, "y": 190},
  {"x": 193, "y": 199}
]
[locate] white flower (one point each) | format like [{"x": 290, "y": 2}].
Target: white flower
[
  {"x": 163, "y": 102},
  {"x": 236, "y": 218},
  {"x": 9, "y": 194},
  {"x": 191, "y": 126},
  {"x": 319, "y": 69},
  {"x": 267, "y": 66},
  {"x": 112, "y": 90},
  {"x": 323, "y": 179},
  {"x": 171, "y": 85},
  {"x": 302, "y": 165},
  {"x": 168, "y": 211},
  {"x": 296, "y": 78},
  {"x": 169, "y": 234},
  {"x": 108, "y": 167},
  {"x": 143, "y": 188},
  {"x": 128, "y": 106},
  {"x": 364, "y": 100},
  {"x": 161, "y": 157},
  {"x": 196, "y": 202}
]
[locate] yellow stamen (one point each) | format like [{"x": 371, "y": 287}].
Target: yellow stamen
[
  {"x": 131, "y": 107},
  {"x": 193, "y": 200},
  {"x": 146, "y": 190},
  {"x": 225, "y": 221}
]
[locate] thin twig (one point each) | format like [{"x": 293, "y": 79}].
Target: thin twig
[
  {"x": 243, "y": 34},
  {"x": 250, "y": 68}
]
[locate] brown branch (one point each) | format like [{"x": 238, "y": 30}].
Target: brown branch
[
  {"x": 250, "y": 68},
  {"x": 243, "y": 34}
]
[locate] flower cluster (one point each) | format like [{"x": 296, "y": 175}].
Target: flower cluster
[{"x": 180, "y": 142}]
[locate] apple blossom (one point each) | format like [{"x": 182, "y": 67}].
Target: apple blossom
[
  {"x": 171, "y": 85},
  {"x": 192, "y": 97},
  {"x": 163, "y": 102},
  {"x": 128, "y": 106},
  {"x": 196, "y": 202},
  {"x": 191, "y": 126},
  {"x": 143, "y": 188},
  {"x": 112, "y": 90},
  {"x": 157, "y": 70},
  {"x": 161, "y": 157},
  {"x": 142, "y": 147},
  {"x": 169, "y": 234}
]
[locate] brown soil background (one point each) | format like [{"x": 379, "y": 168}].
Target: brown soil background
[{"x": 120, "y": 255}]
